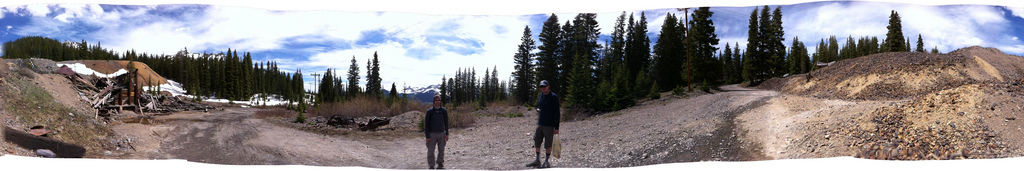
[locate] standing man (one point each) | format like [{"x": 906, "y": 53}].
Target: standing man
[
  {"x": 548, "y": 118},
  {"x": 436, "y": 130}
]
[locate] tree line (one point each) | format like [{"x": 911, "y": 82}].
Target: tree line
[
  {"x": 612, "y": 76},
  {"x": 224, "y": 75}
]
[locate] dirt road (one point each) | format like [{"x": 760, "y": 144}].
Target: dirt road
[{"x": 668, "y": 130}]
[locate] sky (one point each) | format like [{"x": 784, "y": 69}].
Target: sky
[{"x": 418, "y": 43}]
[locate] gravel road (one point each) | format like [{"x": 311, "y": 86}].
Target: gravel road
[{"x": 668, "y": 130}]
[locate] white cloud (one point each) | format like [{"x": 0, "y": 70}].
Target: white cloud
[
  {"x": 400, "y": 66},
  {"x": 1016, "y": 11},
  {"x": 38, "y": 10},
  {"x": 80, "y": 10}
]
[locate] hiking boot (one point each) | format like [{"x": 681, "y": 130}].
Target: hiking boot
[
  {"x": 546, "y": 165},
  {"x": 536, "y": 163},
  {"x": 431, "y": 168},
  {"x": 440, "y": 166}
]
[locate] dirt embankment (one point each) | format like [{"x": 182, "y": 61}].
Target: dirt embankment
[
  {"x": 146, "y": 74},
  {"x": 963, "y": 104}
]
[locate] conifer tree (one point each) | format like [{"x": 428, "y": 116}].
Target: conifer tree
[
  {"x": 638, "y": 52},
  {"x": 894, "y": 37},
  {"x": 353, "y": 79},
  {"x": 444, "y": 89},
  {"x": 668, "y": 54},
  {"x": 524, "y": 69},
  {"x": 373, "y": 85},
  {"x": 548, "y": 54},
  {"x": 752, "y": 61},
  {"x": 920, "y": 44},
  {"x": 703, "y": 42},
  {"x": 392, "y": 95}
]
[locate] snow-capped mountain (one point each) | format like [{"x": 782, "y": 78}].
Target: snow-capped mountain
[{"x": 423, "y": 94}]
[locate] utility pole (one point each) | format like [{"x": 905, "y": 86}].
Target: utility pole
[
  {"x": 316, "y": 81},
  {"x": 686, "y": 37}
]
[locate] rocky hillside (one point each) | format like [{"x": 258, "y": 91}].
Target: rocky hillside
[
  {"x": 902, "y": 75},
  {"x": 964, "y": 104}
]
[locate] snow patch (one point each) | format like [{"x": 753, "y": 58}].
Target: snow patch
[
  {"x": 84, "y": 70},
  {"x": 257, "y": 100},
  {"x": 171, "y": 86}
]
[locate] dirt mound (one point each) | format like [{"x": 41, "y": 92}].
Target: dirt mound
[
  {"x": 146, "y": 74},
  {"x": 971, "y": 121},
  {"x": 902, "y": 75}
]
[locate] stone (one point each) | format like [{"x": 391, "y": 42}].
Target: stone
[{"x": 45, "y": 153}]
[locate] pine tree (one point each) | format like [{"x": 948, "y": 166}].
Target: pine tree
[
  {"x": 668, "y": 54},
  {"x": 737, "y": 72},
  {"x": 326, "y": 92},
  {"x": 703, "y": 40},
  {"x": 935, "y": 50},
  {"x": 752, "y": 63},
  {"x": 579, "y": 90},
  {"x": 444, "y": 89},
  {"x": 353, "y": 79},
  {"x": 524, "y": 69},
  {"x": 392, "y": 95},
  {"x": 727, "y": 69},
  {"x": 920, "y": 44},
  {"x": 373, "y": 85},
  {"x": 548, "y": 54},
  {"x": 247, "y": 79},
  {"x": 894, "y": 38},
  {"x": 638, "y": 54}
]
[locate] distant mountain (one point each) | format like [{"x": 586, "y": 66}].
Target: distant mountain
[{"x": 423, "y": 94}]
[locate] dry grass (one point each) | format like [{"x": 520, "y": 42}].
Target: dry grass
[
  {"x": 462, "y": 116},
  {"x": 504, "y": 103},
  {"x": 4, "y": 68},
  {"x": 366, "y": 107},
  {"x": 34, "y": 106}
]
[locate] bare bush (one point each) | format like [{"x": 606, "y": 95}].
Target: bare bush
[
  {"x": 366, "y": 107},
  {"x": 275, "y": 112},
  {"x": 462, "y": 116}
]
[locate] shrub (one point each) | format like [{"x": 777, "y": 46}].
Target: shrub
[
  {"x": 27, "y": 73},
  {"x": 301, "y": 118},
  {"x": 575, "y": 113},
  {"x": 461, "y": 116},
  {"x": 704, "y": 87},
  {"x": 655, "y": 94},
  {"x": 679, "y": 90}
]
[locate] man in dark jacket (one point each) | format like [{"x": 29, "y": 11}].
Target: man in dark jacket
[
  {"x": 435, "y": 128},
  {"x": 548, "y": 117}
]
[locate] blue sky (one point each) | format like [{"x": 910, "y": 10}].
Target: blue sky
[{"x": 418, "y": 42}]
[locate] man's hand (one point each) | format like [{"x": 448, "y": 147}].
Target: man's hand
[
  {"x": 428, "y": 140},
  {"x": 556, "y": 131},
  {"x": 445, "y": 138}
]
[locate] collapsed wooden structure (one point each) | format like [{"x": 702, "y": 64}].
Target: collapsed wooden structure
[{"x": 111, "y": 96}]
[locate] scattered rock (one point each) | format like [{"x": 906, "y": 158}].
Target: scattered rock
[{"x": 45, "y": 153}]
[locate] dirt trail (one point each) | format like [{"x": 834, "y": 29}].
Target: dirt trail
[{"x": 667, "y": 130}]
